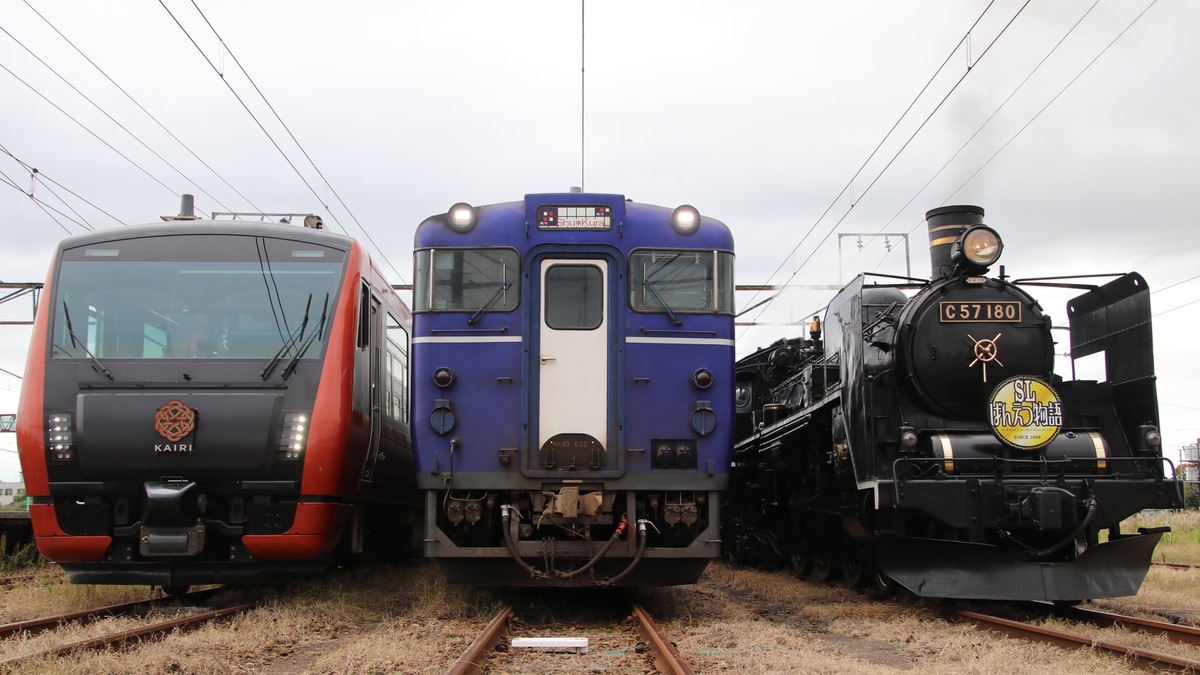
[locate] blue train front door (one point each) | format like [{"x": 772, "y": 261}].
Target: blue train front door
[{"x": 573, "y": 364}]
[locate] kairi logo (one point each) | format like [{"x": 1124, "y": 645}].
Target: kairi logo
[{"x": 174, "y": 421}]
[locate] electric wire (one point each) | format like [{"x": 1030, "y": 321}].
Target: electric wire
[
  {"x": 41, "y": 205},
  {"x": 83, "y": 126},
  {"x": 980, "y": 129},
  {"x": 304, "y": 152},
  {"x": 147, "y": 112},
  {"x": 895, "y": 155},
  {"x": 104, "y": 112},
  {"x": 1055, "y": 98},
  {"x": 33, "y": 171},
  {"x": 246, "y": 107}
]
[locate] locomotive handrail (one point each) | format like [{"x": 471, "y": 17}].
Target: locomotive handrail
[
  {"x": 1044, "y": 282},
  {"x": 669, "y": 331},
  {"x": 899, "y": 476},
  {"x": 439, "y": 331}
]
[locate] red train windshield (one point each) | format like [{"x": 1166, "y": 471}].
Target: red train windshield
[{"x": 193, "y": 296}]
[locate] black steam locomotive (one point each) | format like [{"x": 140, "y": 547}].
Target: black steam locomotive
[{"x": 924, "y": 437}]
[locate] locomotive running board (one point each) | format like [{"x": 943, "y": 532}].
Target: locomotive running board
[{"x": 935, "y": 568}]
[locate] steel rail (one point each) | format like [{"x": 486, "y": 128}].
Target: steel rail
[
  {"x": 34, "y": 626},
  {"x": 1173, "y": 632},
  {"x": 475, "y": 655},
  {"x": 1144, "y": 658},
  {"x": 118, "y": 640},
  {"x": 666, "y": 656}
]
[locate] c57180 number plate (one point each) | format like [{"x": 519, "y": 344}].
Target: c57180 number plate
[{"x": 996, "y": 311}]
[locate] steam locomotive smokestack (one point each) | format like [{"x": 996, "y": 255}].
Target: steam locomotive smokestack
[{"x": 945, "y": 225}]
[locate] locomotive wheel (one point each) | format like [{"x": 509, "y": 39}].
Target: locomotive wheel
[
  {"x": 856, "y": 566},
  {"x": 879, "y": 583},
  {"x": 823, "y": 562},
  {"x": 800, "y": 555}
]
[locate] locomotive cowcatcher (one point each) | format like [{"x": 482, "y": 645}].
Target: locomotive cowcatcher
[{"x": 921, "y": 435}]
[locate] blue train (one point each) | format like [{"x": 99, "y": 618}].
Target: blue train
[{"x": 573, "y": 390}]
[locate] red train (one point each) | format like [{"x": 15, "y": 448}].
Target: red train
[{"x": 216, "y": 402}]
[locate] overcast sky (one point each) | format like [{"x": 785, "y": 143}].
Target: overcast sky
[{"x": 1075, "y": 124}]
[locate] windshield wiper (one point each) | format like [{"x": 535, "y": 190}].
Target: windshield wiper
[
  {"x": 488, "y": 305},
  {"x": 297, "y": 334},
  {"x": 76, "y": 342},
  {"x": 658, "y": 296},
  {"x": 291, "y": 366}
]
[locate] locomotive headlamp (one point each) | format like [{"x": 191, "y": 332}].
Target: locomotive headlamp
[
  {"x": 293, "y": 435},
  {"x": 979, "y": 246},
  {"x": 702, "y": 378},
  {"x": 685, "y": 219},
  {"x": 60, "y": 437},
  {"x": 908, "y": 437},
  {"x": 443, "y": 377},
  {"x": 462, "y": 217}
]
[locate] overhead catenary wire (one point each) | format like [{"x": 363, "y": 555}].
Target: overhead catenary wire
[
  {"x": 980, "y": 129},
  {"x": 147, "y": 112},
  {"x": 271, "y": 138},
  {"x": 895, "y": 155},
  {"x": 33, "y": 171},
  {"x": 83, "y": 126}
]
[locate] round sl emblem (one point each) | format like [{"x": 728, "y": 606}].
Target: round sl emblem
[
  {"x": 174, "y": 420},
  {"x": 1025, "y": 413}
]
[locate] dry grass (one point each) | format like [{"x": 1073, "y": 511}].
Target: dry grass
[
  {"x": 387, "y": 620},
  {"x": 50, "y": 594},
  {"x": 405, "y": 619},
  {"x": 751, "y": 621}
]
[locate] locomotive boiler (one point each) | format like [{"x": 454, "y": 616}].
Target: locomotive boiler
[{"x": 921, "y": 434}]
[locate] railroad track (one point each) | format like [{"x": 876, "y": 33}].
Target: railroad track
[
  {"x": 120, "y": 639},
  {"x": 494, "y": 640},
  {"x": 1145, "y": 658}
]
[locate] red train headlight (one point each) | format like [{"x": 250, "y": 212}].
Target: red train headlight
[
  {"x": 293, "y": 436},
  {"x": 60, "y": 438},
  {"x": 702, "y": 378}
]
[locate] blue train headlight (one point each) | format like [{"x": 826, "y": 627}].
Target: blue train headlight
[
  {"x": 685, "y": 219},
  {"x": 60, "y": 438},
  {"x": 462, "y": 217},
  {"x": 702, "y": 378},
  {"x": 293, "y": 436}
]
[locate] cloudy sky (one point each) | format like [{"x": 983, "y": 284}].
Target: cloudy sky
[{"x": 799, "y": 124}]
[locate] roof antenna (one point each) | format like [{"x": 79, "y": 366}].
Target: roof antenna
[
  {"x": 582, "y": 87},
  {"x": 187, "y": 209}
]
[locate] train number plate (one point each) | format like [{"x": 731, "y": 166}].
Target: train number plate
[{"x": 995, "y": 311}]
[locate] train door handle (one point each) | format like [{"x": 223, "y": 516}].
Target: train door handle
[{"x": 547, "y": 359}]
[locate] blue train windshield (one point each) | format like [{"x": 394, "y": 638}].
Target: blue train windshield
[
  {"x": 193, "y": 296},
  {"x": 467, "y": 280},
  {"x": 681, "y": 281}
]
